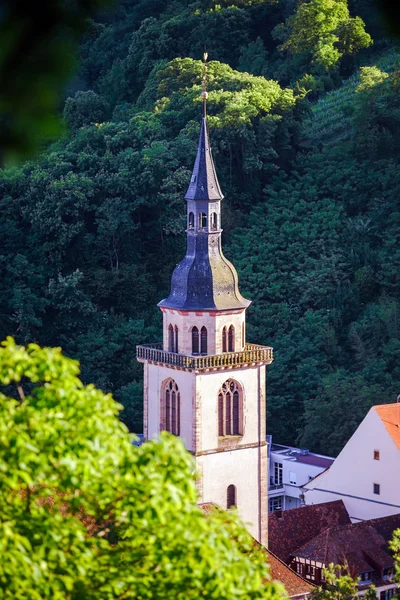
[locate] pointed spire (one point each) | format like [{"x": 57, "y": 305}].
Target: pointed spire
[{"x": 204, "y": 182}]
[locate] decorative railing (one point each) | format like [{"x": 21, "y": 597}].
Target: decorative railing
[{"x": 252, "y": 354}]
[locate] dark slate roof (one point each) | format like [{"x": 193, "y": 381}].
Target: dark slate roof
[
  {"x": 292, "y": 528},
  {"x": 204, "y": 279},
  {"x": 204, "y": 182}
]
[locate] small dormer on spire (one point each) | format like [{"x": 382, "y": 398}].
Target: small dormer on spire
[{"x": 204, "y": 183}]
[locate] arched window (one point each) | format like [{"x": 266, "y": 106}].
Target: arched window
[
  {"x": 243, "y": 336},
  {"x": 203, "y": 341},
  {"x": 231, "y": 496},
  {"x": 191, "y": 221},
  {"x": 176, "y": 349},
  {"x": 221, "y": 414},
  {"x": 170, "y": 338},
  {"x": 224, "y": 340},
  {"x": 170, "y": 407},
  {"x": 230, "y": 409},
  {"x": 195, "y": 340},
  {"x": 214, "y": 221},
  {"x": 202, "y": 220},
  {"x": 231, "y": 339}
]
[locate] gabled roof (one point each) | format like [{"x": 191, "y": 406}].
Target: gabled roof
[
  {"x": 361, "y": 545},
  {"x": 297, "y": 526},
  {"x": 204, "y": 181},
  {"x": 390, "y": 417}
]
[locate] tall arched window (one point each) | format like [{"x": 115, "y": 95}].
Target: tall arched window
[
  {"x": 176, "y": 349},
  {"x": 221, "y": 428},
  {"x": 203, "y": 341},
  {"x": 170, "y": 338},
  {"x": 170, "y": 407},
  {"x": 224, "y": 340},
  {"x": 191, "y": 221},
  {"x": 195, "y": 340},
  {"x": 230, "y": 409},
  {"x": 214, "y": 221},
  {"x": 231, "y": 496},
  {"x": 231, "y": 339}
]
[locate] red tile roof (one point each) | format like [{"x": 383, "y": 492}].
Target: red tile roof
[
  {"x": 298, "y": 526},
  {"x": 390, "y": 417},
  {"x": 294, "y": 584},
  {"x": 361, "y": 545}
]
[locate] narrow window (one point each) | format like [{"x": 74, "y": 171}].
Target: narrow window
[
  {"x": 170, "y": 338},
  {"x": 376, "y": 455},
  {"x": 230, "y": 408},
  {"x": 231, "y": 496},
  {"x": 167, "y": 410},
  {"x": 220, "y": 414},
  {"x": 235, "y": 411},
  {"x": 203, "y": 341},
  {"x": 224, "y": 340},
  {"x": 377, "y": 489},
  {"x": 278, "y": 473},
  {"x": 243, "y": 337},
  {"x": 191, "y": 220},
  {"x": 176, "y": 339},
  {"x": 195, "y": 340},
  {"x": 170, "y": 408},
  {"x": 228, "y": 418},
  {"x": 231, "y": 339},
  {"x": 214, "y": 221}
]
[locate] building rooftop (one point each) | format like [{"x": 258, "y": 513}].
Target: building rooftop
[
  {"x": 204, "y": 181},
  {"x": 294, "y": 584},
  {"x": 390, "y": 417},
  {"x": 291, "y": 529},
  {"x": 302, "y": 455},
  {"x": 361, "y": 545}
]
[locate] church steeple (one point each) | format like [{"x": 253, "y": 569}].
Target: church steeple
[
  {"x": 204, "y": 181},
  {"x": 204, "y": 279},
  {"x": 204, "y": 382}
]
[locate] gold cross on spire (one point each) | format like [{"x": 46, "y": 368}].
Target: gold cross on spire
[{"x": 204, "y": 93}]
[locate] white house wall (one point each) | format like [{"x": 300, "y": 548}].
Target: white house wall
[{"x": 352, "y": 475}]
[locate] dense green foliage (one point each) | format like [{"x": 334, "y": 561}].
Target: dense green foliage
[
  {"x": 84, "y": 514},
  {"x": 91, "y": 231},
  {"x": 37, "y": 57}
]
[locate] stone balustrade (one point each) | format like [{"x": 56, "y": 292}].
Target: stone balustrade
[{"x": 252, "y": 354}]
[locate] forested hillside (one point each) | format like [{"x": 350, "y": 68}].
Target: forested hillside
[{"x": 304, "y": 112}]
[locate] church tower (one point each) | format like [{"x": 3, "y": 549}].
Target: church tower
[{"x": 204, "y": 382}]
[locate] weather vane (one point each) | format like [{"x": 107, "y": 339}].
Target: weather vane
[{"x": 204, "y": 93}]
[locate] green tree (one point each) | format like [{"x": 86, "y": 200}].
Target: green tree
[
  {"x": 86, "y": 515},
  {"x": 325, "y": 29},
  {"x": 395, "y": 548},
  {"x": 339, "y": 584},
  {"x": 84, "y": 109}
]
